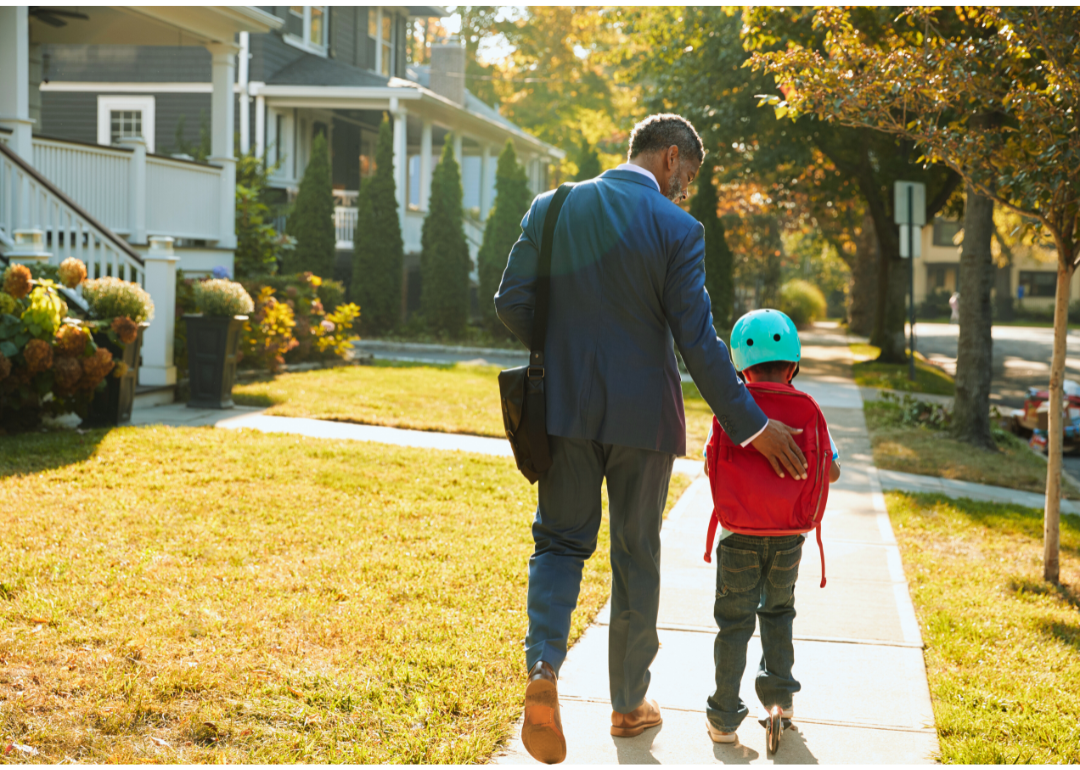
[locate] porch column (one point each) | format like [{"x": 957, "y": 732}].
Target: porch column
[
  {"x": 157, "y": 350},
  {"x": 221, "y": 138},
  {"x": 15, "y": 83},
  {"x": 485, "y": 181},
  {"x": 137, "y": 189},
  {"x": 260, "y": 126},
  {"x": 401, "y": 166},
  {"x": 245, "y": 101},
  {"x": 457, "y": 148},
  {"x": 425, "y": 164}
]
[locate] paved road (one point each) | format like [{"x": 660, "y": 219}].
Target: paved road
[{"x": 1021, "y": 356}]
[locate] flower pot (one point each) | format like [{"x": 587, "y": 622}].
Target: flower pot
[
  {"x": 112, "y": 405},
  {"x": 212, "y": 343}
]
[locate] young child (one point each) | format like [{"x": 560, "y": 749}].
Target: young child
[{"x": 755, "y": 576}]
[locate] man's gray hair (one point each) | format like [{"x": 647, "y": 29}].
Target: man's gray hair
[{"x": 658, "y": 132}]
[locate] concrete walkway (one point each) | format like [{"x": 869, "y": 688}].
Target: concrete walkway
[{"x": 858, "y": 650}]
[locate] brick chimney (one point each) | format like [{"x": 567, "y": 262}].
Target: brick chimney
[{"x": 448, "y": 70}]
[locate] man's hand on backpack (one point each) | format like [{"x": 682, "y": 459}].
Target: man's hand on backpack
[{"x": 780, "y": 449}]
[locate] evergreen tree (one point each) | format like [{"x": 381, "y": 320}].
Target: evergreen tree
[
  {"x": 378, "y": 246},
  {"x": 588, "y": 162},
  {"x": 719, "y": 281},
  {"x": 512, "y": 199},
  {"x": 444, "y": 258},
  {"x": 257, "y": 243},
  {"x": 312, "y": 219}
]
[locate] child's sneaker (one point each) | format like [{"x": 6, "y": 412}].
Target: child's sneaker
[{"x": 718, "y": 736}]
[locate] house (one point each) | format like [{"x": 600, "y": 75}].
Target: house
[
  {"x": 1032, "y": 274},
  {"x": 82, "y": 172},
  {"x": 330, "y": 70}
]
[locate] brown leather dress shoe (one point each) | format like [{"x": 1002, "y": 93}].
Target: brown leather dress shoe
[
  {"x": 637, "y": 721},
  {"x": 542, "y": 731}
]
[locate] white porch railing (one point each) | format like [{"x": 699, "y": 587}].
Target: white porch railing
[
  {"x": 346, "y": 197},
  {"x": 182, "y": 198},
  {"x": 29, "y": 201},
  {"x": 345, "y": 226},
  {"x": 133, "y": 193}
]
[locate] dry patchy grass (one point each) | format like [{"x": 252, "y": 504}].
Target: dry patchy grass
[
  {"x": 1001, "y": 644},
  {"x": 935, "y": 453},
  {"x": 201, "y": 596},
  {"x": 452, "y": 398}
]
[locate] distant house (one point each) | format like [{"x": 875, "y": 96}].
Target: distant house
[
  {"x": 331, "y": 70},
  {"x": 82, "y": 170},
  {"x": 1032, "y": 274}
]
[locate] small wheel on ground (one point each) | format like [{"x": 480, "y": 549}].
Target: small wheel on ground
[{"x": 774, "y": 728}]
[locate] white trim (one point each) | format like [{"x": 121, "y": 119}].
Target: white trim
[
  {"x": 106, "y": 103},
  {"x": 132, "y": 88}
]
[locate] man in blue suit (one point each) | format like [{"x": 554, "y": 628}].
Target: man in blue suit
[{"x": 627, "y": 281}]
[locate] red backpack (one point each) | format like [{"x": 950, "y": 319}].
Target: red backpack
[{"x": 748, "y": 497}]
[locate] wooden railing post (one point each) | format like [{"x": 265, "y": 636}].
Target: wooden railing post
[
  {"x": 158, "y": 367},
  {"x": 137, "y": 190}
]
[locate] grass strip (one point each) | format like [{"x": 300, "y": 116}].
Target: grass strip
[
  {"x": 929, "y": 452},
  {"x": 1001, "y": 644},
  {"x": 201, "y": 596},
  {"x": 872, "y": 374},
  {"x": 451, "y": 398}
]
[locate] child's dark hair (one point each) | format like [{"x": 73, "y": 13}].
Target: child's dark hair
[{"x": 773, "y": 368}]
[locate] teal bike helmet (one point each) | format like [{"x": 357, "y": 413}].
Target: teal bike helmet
[{"x": 764, "y": 335}]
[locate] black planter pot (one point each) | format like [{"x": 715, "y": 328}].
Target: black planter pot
[
  {"x": 112, "y": 405},
  {"x": 212, "y": 343}
]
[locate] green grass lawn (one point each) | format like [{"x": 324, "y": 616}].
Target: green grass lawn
[
  {"x": 922, "y": 450},
  {"x": 871, "y": 374},
  {"x": 1002, "y": 646},
  {"x": 452, "y": 398},
  {"x": 201, "y": 596}
]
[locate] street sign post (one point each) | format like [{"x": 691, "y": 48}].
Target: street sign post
[{"x": 909, "y": 211}]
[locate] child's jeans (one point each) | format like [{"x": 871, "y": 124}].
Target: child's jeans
[{"x": 754, "y": 576}]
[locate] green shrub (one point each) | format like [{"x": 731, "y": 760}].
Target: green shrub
[
  {"x": 501, "y": 232},
  {"x": 112, "y": 298},
  {"x": 378, "y": 248},
  {"x": 268, "y": 333},
  {"x": 258, "y": 245},
  {"x": 444, "y": 259},
  {"x": 222, "y": 297},
  {"x": 936, "y": 304},
  {"x": 802, "y": 301},
  {"x": 312, "y": 219}
]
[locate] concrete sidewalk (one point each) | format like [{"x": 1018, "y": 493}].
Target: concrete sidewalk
[{"x": 858, "y": 650}]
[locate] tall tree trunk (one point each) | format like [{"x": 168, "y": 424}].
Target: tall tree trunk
[
  {"x": 864, "y": 270},
  {"x": 1003, "y": 288},
  {"x": 892, "y": 278},
  {"x": 1055, "y": 439},
  {"x": 974, "y": 360}
]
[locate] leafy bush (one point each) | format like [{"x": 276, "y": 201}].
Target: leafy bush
[
  {"x": 802, "y": 301},
  {"x": 110, "y": 297},
  {"x": 49, "y": 364},
  {"x": 258, "y": 245},
  {"x": 936, "y": 304},
  {"x": 268, "y": 333},
  {"x": 222, "y": 297}
]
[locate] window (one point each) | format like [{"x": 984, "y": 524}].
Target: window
[
  {"x": 305, "y": 27},
  {"x": 381, "y": 32},
  {"x": 945, "y": 231},
  {"x": 1038, "y": 283},
  {"x": 123, "y": 117},
  {"x": 940, "y": 278}
]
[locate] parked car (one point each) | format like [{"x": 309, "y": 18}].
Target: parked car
[{"x": 1034, "y": 419}]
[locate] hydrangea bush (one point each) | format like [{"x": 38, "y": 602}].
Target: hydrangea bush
[
  {"x": 222, "y": 297},
  {"x": 110, "y": 297}
]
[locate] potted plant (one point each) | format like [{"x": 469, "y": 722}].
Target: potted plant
[
  {"x": 119, "y": 311},
  {"x": 213, "y": 339}
]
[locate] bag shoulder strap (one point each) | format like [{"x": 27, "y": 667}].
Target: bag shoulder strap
[{"x": 543, "y": 281}]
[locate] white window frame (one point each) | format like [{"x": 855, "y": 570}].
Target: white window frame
[
  {"x": 108, "y": 103},
  {"x": 304, "y": 42},
  {"x": 380, "y": 41}
]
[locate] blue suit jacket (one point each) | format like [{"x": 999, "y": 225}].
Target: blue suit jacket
[{"x": 627, "y": 276}]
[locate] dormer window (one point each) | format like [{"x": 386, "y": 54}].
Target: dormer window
[{"x": 305, "y": 27}]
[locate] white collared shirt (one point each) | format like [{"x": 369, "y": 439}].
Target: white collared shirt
[{"x": 640, "y": 170}]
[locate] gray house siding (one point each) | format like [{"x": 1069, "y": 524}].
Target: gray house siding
[
  {"x": 126, "y": 64},
  {"x": 73, "y": 115},
  {"x": 269, "y": 55},
  {"x": 343, "y": 33}
]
